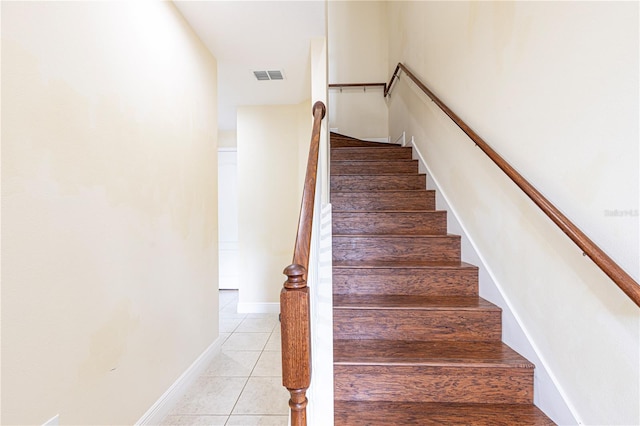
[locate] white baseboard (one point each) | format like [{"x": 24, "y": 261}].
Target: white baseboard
[
  {"x": 258, "y": 308},
  {"x": 557, "y": 404},
  {"x": 53, "y": 421},
  {"x": 166, "y": 402}
]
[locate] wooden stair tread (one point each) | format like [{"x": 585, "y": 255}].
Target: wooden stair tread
[
  {"x": 399, "y": 236},
  {"x": 364, "y": 149},
  {"x": 374, "y": 160},
  {"x": 400, "y": 265},
  {"x": 388, "y": 211},
  {"x": 383, "y": 413},
  {"x": 368, "y": 193},
  {"x": 373, "y": 175},
  {"x": 379, "y": 144},
  {"x": 372, "y": 192},
  {"x": 404, "y": 302},
  {"x": 354, "y": 143},
  {"x": 367, "y": 153},
  {"x": 337, "y": 137},
  {"x": 357, "y": 143},
  {"x": 437, "y": 353}
]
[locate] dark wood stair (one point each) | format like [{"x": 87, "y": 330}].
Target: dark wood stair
[
  {"x": 413, "y": 342},
  {"x": 377, "y": 167},
  {"x": 418, "y": 199},
  {"x": 416, "y": 222},
  {"x": 385, "y": 413},
  {"x": 377, "y": 182}
]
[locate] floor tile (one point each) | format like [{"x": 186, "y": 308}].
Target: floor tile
[
  {"x": 272, "y": 316},
  {"x": 274, "y": 343},
  {"x": 210, "y": 395},
  {"x": 258, "y": 420},
  {"x": 232, "y": 364},
  {"x": 246, "y": 342},
  {"x": 257, "y": 325},
  {"x": 244, "y": 377},
  {"x": 232, "y": 315},
  {"x": 228, "y": 296},
  {"x": 223, "y": 337},
  {"x": 229, "y": 325},
  {"x": 231, "y": 308},
  {"x": 197, "y": 421},
  {"x": 269, "y": 364},
  {"x": 263, "y": 395}
]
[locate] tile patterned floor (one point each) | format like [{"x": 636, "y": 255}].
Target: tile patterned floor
[{"x": 243, "y": 384}]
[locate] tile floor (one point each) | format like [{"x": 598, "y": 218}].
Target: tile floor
[{"x": 243, "y": 383}]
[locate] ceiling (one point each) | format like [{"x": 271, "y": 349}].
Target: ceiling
[{"x": 257, "y": 35}]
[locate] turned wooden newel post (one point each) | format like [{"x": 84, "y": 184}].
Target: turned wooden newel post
[{"x": 296, "y": 341}]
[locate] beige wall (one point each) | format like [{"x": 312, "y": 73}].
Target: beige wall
[
  {"x": 319, "y": 93},
  {"x": 553, "y": 87},
  {"x": 227, "y": 139},
  {"x": 357, "y": 46},
  {"x": 109, "y": 232},
  {"x": 273, "y": 141}
]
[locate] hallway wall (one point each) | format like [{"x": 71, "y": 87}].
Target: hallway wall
[
  {"x": 552, "y": 87},
  {"x": 273, "y": 145},
  {"x": 109, "y": 208},
  {"x": 357, "y": 46}
]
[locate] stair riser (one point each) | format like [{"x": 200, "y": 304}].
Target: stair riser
[
  {"x": 337, "y": 142},
  {"x": 445, "y": 248},
  {"x": 409, "y": 282},
  {"x": 368, "y": 154},
  {"x": 368, "y": 201},
  {"x": 378, "y": 182},
  {"x": 373, "y": 167},
  {"x": 417, "y": 324},
  {"x": 433, "y": 384},
  {"x": 418, "y": 223}
]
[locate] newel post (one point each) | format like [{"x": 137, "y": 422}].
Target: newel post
[{"x": 296, "y": 341}]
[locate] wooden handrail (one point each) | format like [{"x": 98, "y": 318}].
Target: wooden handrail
[
  {"x": 623, "y": 280},
  {"x": 294, "y": 297},
  {"x": 365, "y": 85}
]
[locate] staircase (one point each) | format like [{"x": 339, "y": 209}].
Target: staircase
[{"x": 413, "y": 342}]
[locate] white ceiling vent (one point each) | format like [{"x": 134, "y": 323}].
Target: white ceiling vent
[{"x": 268, "y": 75}]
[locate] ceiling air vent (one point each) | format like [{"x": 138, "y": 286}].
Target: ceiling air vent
[
  {"x": 275, "y": 75},
  {"x": 268, "y": 75},
  {"x": 261, "y": 75}
]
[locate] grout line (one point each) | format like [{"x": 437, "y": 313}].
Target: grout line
[{"x": 261, "y": 351}]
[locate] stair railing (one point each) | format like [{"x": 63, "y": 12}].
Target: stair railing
[
  {"x": 363, "y": 85},
  {"x": 294, "y": 297},
  {"x": 623, "y": 280}
]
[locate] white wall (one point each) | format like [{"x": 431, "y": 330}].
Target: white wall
[
  {"x": 109, "y": 208},
  {"x": 227, "y": 139},
  {"x": 319, "y": 73},
  {"x": 228, "y": 210},
  {"x": 273, "y": 142},
  {"x": 358, "y": 53},
  {"x": 228, "y": 218},
  {"x": 553, "y": 87},
  {"x": 320, "y": 393}
]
